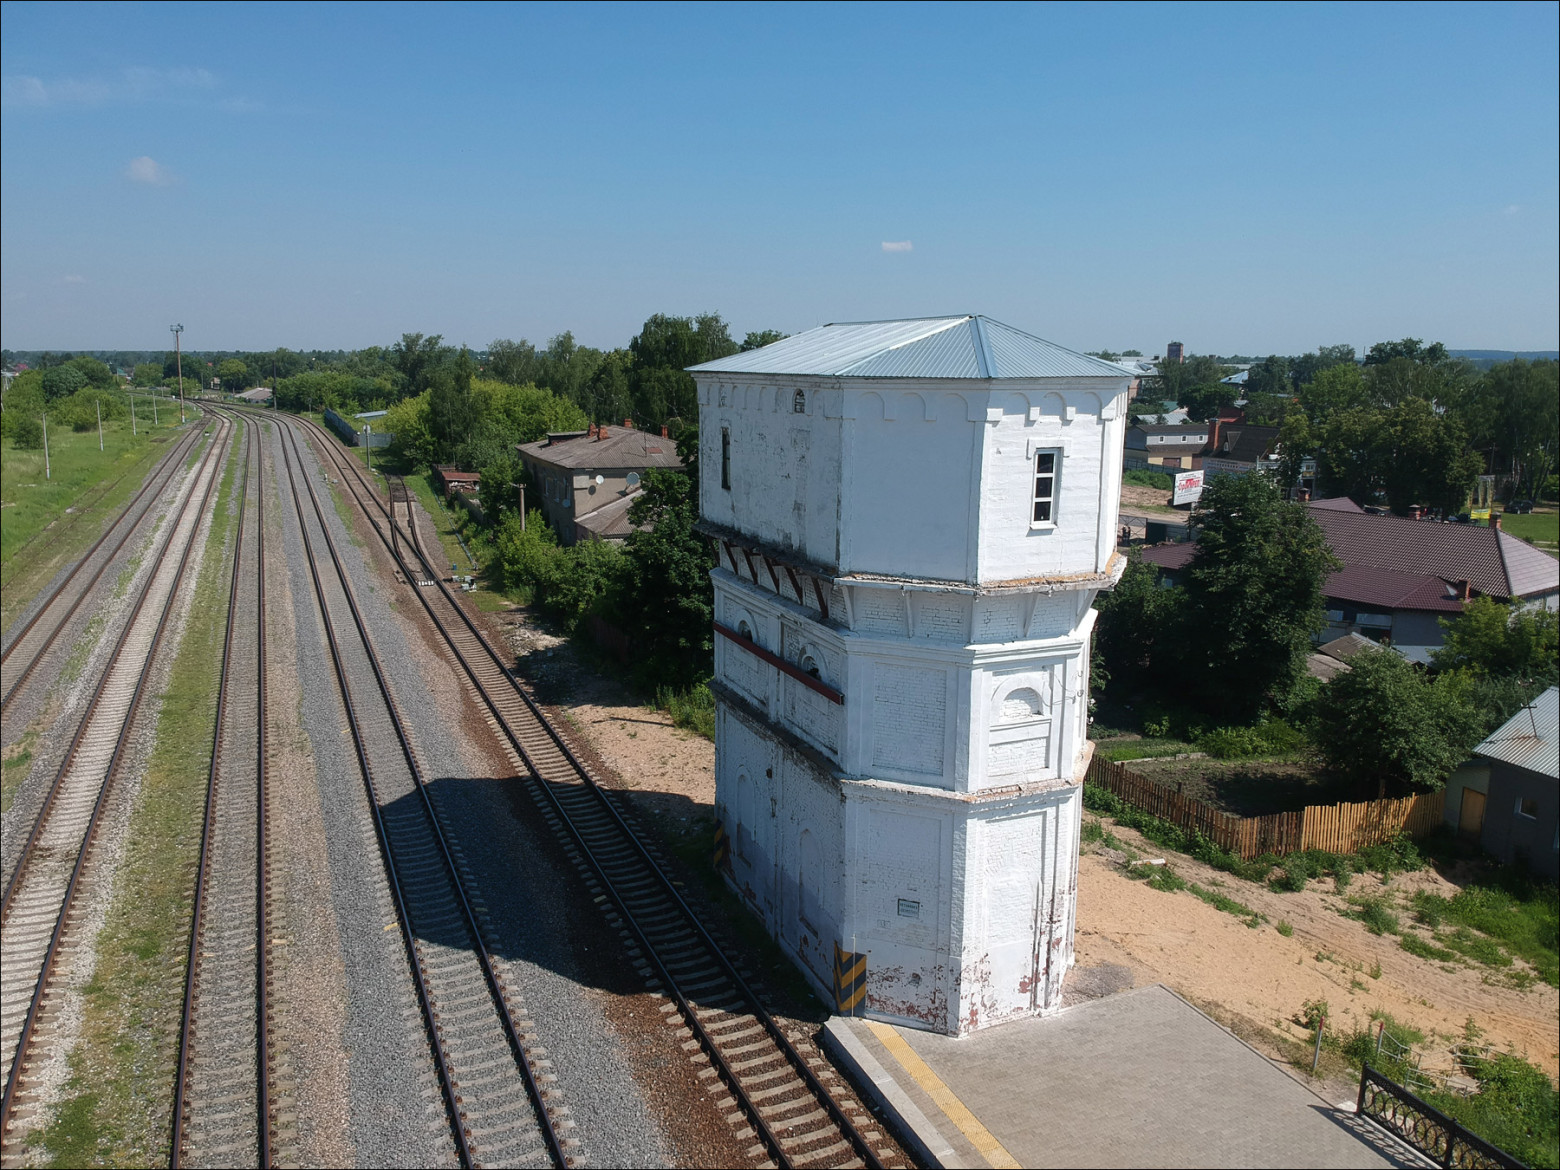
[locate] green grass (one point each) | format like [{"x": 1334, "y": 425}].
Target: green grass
[
  {"x": 96, "y": 485},
  {"x": 1516, "y": 1109},
  {"x": 1422, "y": 949},
  {"x": 1143, "y": 749},
  {"x": 1145, "y": 478},
  {"x": 17, "y": 761},
  {"x": 693, "y": 709},
  {"x": 117, "y": 1102},
  {"x": 1539, "y": 527},
  {"x": 1521, "y": 915}
]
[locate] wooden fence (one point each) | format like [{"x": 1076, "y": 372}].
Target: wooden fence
[{"x": 1337, "y": 828}]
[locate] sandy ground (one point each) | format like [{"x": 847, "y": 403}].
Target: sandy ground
[
  {"x": 1258, "y": 975},
  {"x": 1130, "y": 934}
]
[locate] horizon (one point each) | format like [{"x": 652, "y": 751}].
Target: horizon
[{"x": 1267, "y": 179}]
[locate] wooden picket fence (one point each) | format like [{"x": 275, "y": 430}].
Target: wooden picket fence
[{"x": 1337, "y": 828}]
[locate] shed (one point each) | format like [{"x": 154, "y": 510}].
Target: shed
[{"x": 1508, "y": 796}]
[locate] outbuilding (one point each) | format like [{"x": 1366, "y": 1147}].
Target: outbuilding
[{"x": 1508, "y": 796}]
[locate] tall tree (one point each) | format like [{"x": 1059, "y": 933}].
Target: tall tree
[
  {"x": 452, "y": 414},
  {"x": 514, "y": 362},
  {"x": 669, "y": 604},
  {"x": 1253, "y": 594},
  {"x": 1269, "y": 376},
  {"x": 761, "y": 338}
]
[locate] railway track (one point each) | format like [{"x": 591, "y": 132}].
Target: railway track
[
  {"x": 222, "y": 1083},
  {"x": 36, "y": 911},
  {"x": 777, "y": 1088},
  {"x": 37, "y": 636},
  {"x": 500, "y": 1112}
]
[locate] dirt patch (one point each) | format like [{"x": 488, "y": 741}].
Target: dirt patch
[
  {"x": 1249, "y": 788},
  {"x": 1135, "y": 495},
  {"x": 1259, "y": 978}
]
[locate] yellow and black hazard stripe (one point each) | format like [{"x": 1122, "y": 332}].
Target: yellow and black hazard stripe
[
  {"x": 722, "y": 846},
  {"x": 850, "y": 981}
]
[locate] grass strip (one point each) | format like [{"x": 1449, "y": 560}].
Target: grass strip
[{"x": 118, "y": 1100}]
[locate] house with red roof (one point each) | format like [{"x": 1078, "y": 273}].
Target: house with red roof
[{"x": 1401, "y": 577}]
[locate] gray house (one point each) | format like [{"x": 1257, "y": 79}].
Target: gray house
[{"x": 1508, "y": 796}]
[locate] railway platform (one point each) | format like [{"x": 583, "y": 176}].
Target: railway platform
[{"x": 1141, "y": 1078}]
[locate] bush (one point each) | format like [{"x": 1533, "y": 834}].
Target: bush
[
  {"x": 1516, "y": 1109},
  {"x": 1376, "y": 916},
  {"x": 26, "y": 433},
  {"x": 694, "y": 709},
  {"x": 1270, "y": 737},
  {"x": 1151, "y": 479}
]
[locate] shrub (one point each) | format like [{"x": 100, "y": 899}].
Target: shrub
[
  {"x": 1376, "y": 915},
  {"x": 1311, "y": 1013},
  {"x": 693, "y": 709},
  {"x": 1270, "y": 737},
  {"x": 1284, "y": 928},
  {"x": 1417, "y": 946},
  {"x": 1145, "y": 478},
  {"x": 1092, "y": 831},
  {"x": 26, "y": 433}
]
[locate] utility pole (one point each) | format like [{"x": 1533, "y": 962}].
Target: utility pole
[
  {"x": 99, "y": 405},
  {"x": 47, "y": 474},
  {"x": 133, "y": 431},
  {"x": 154, "y": 406},
  {"x": 178, "y": 365}
]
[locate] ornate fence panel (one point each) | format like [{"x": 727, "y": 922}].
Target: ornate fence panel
[
  {"x": 1425, "y": 1127},
  {"x": 1337, "y": 828}
]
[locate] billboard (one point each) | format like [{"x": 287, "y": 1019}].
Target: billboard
[{"x": 1188, "y": 487}]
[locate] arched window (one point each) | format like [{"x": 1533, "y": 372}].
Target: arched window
[
  {"x": 745, "y": 630},
  {"x": 810, "y": 665},
  {"x": 799, "y": 402},
  {"x": 1020, "y": 704}
]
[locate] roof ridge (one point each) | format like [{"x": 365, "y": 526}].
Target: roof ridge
[
  {"x": 947, "y": 324},
  {"x": 1054, "y": 345}
]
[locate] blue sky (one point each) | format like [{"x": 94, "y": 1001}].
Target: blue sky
[{"x": 1248, "y": 179}]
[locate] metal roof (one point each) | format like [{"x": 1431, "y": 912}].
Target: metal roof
[
  {"x": 1529, "y": 739},
  {"x": 925, "y": 347}
]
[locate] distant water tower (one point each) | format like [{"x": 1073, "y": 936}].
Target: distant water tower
[
  {"x": 1175, "y": 352},
  {"x": 911, "y": 521}
]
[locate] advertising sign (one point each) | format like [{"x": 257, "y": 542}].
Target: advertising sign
[{"x": 1188, "y": 487}]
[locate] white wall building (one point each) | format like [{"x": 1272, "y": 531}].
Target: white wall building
[{"x": 912, "y": 519}]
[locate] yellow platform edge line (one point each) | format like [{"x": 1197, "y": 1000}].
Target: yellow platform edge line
[{"x": 957, "y": 1112}]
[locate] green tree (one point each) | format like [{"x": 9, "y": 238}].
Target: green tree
[
  {"x": 411, "y": 432},
  {"x": 1409, "y": 349},
  {"x": 1383, "y": 723},
  {"x": 1425, "y": 458},
  {"x": 417, "y": 358},
  {"x": 147, "y": 374},
  {"x": 1333, "y": 390},
  {"x": 1253, "y": 594},
  {"x": 1174, "y": 379},
  {"x": 94, "y": 373},
  {"x": 1203, "y": 402},
  {"x": 761, "y": 338},
  {"x": 662, "y": 351},
  {"x": 1269, "y": 376},
  {"x": 668, "y": 601},
  {"x": 234, "y": 375},
  {"x": 1139, "y": 619},
  {"x": 61, "y": 382},
  {"x": 1492, "y": 638},
  {"x": 452, "y": 413},
  {"x": 514, "y": 362},
  {"x": 1304, "y": 369},
  {"x": 1513, "y": 413},
  {"x": 609, "y": 391}
]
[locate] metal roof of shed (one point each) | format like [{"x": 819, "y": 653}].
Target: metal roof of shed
[
  {"x": 925, "y": 347},
  {"x": 1529, "y": 739}
]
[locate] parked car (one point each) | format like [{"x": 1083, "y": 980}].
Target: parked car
[{"x": 1520, "y": 507}]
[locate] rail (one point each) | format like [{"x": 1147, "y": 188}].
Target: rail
[
  {"x": 1393, "y": 1108},
  {"x": 590, "y": 847}
]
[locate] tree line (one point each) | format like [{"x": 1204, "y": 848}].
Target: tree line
[{"x": 1409, "y": 424}]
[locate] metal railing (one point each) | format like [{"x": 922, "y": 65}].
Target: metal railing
[{"x": 1425, "y": 1127}]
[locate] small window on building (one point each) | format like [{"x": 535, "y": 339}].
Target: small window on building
[
  {"x": 725, "y": 458},
  {"x": 810, "y": 665},
  {"x": 799, "y": 402},
  {"x": 1045, "y": 487},
  {"x": 1527, "y": 807},
  {"x": 745, "y": 630}
]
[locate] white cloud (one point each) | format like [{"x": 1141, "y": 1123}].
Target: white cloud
[
  {"x": 149, "y": 171},
  {"x": 1511, "y": 209},
  {"x": 896, "y": 246},
  {"x": 73, "y": 279},
  {"x": 137, "y": 84}
]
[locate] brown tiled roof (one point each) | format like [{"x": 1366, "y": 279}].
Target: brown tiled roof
[
  {"x": 1337, "y": 504},
  {"x": 622, "y": 448},
  {"x": 1493, "y": 562},
  {"x": 1240, "y": 443},
  {"x": 1367, "y": 585},
  {"x": 1170, "y": 556}
]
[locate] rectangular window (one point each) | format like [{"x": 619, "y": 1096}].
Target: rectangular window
[
  {"x": 1527, "y": 807},
  {"x": 1045, "y": 487},
  {"x": 725, "y": 458}
]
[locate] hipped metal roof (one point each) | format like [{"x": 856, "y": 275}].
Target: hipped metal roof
[
  {"x": 926, "y": 347},
  {"x": 1529, "y": 739}
]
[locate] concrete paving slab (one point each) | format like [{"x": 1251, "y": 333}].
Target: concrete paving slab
[{"x": 1136, "y": 1079}]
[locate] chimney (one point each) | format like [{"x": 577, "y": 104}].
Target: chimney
[
  {"x": 601, "y": 433},
  {"x": 1464, "y": 590},
  {"x": 1494, "y": 522},
  {"x": 664, "y": 435},
  {"x": 628, "y": 424},
  {"x": 1213, "y": 436}
]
